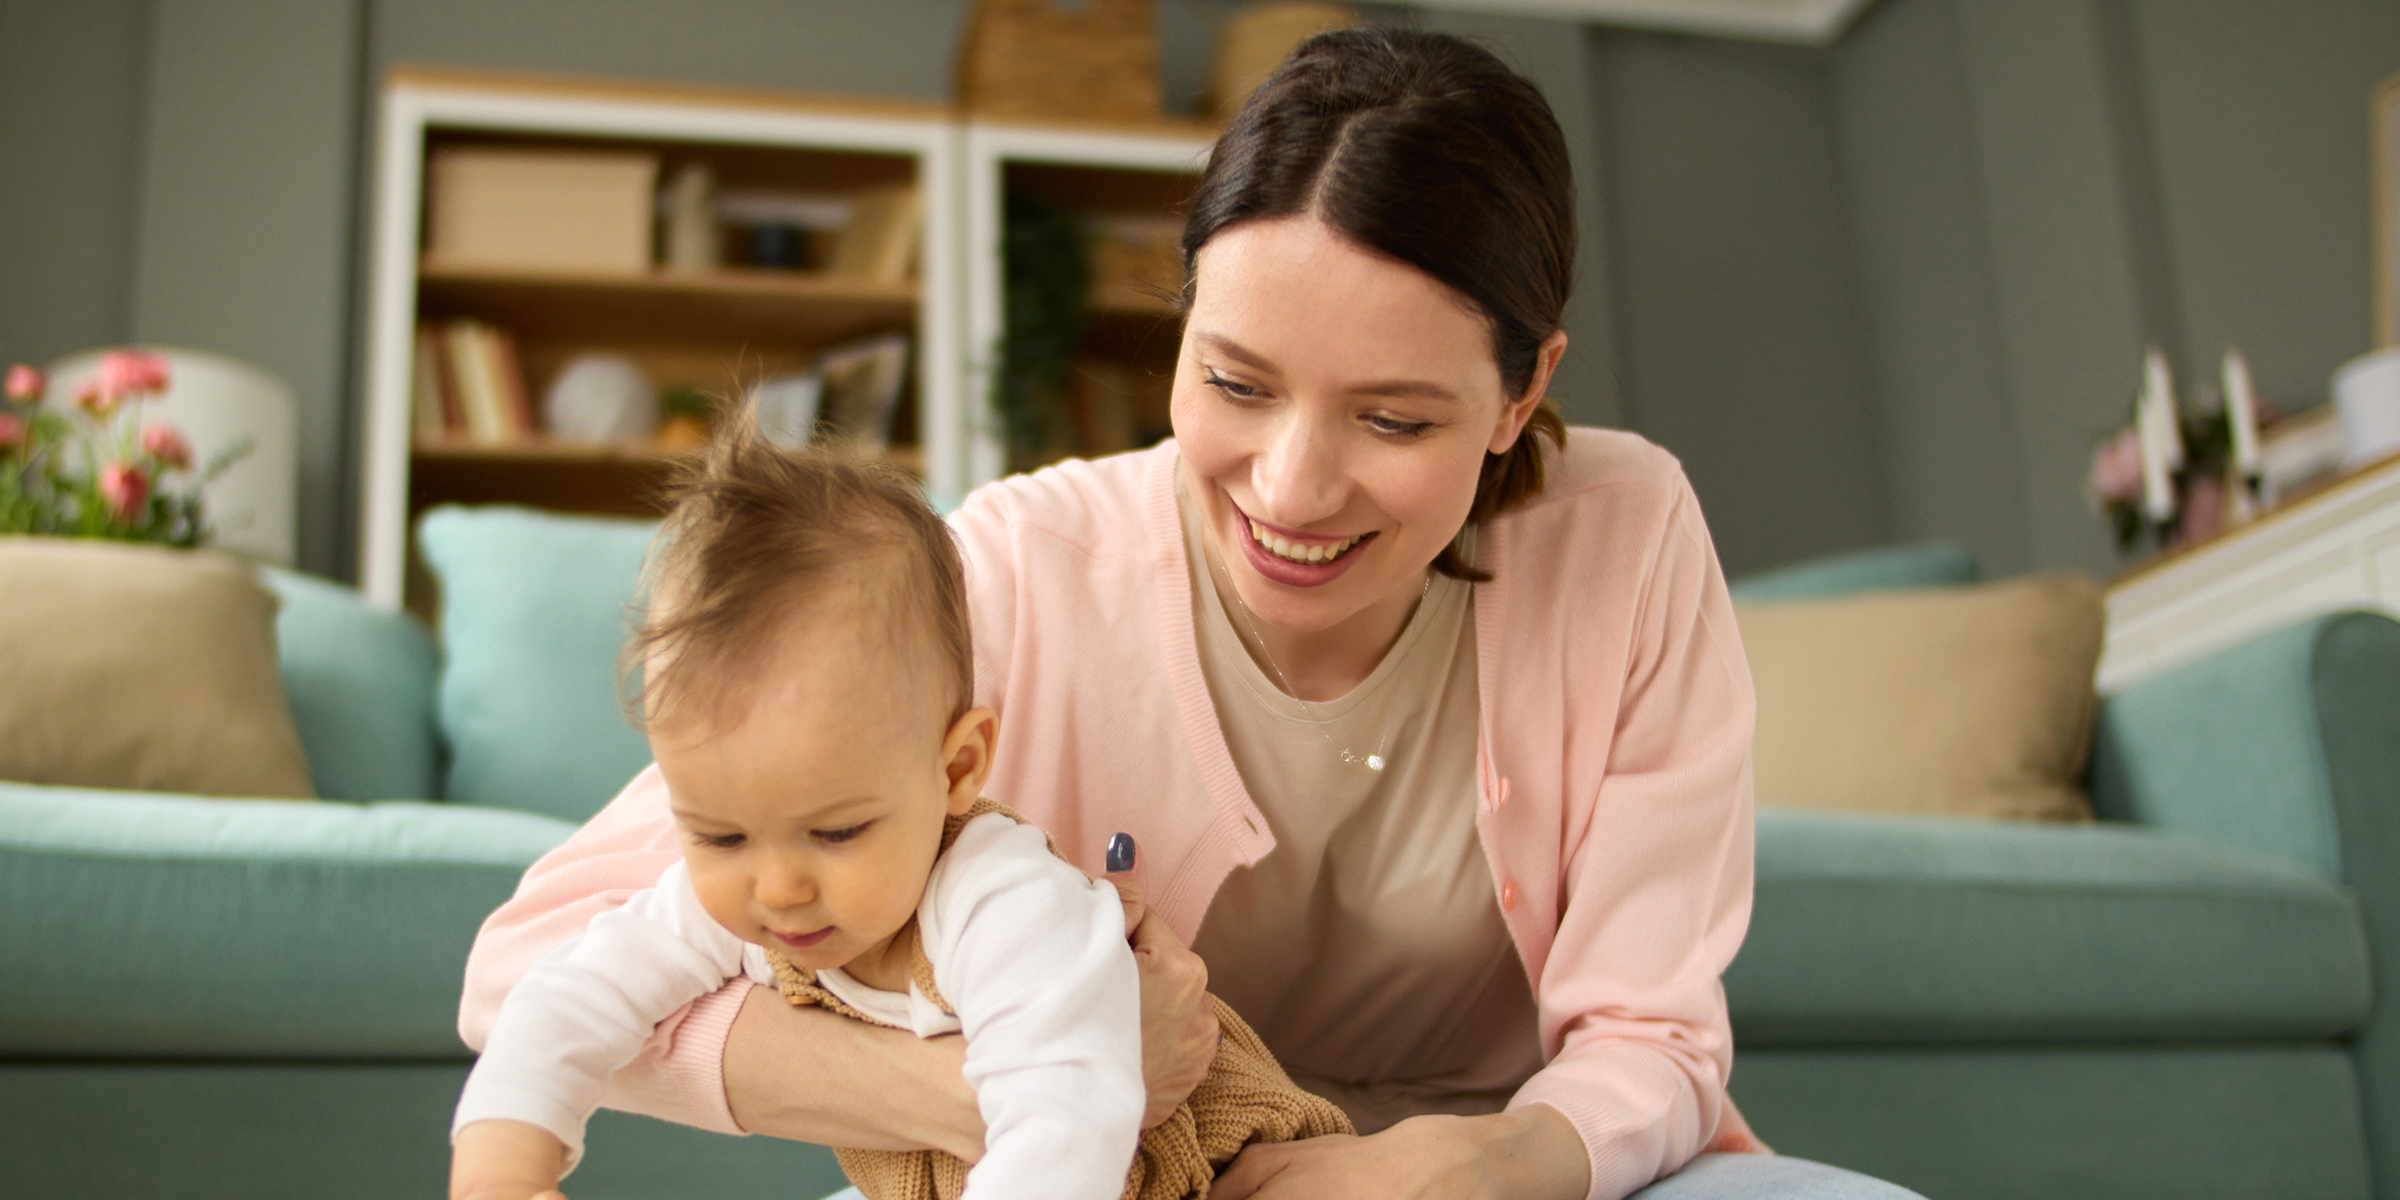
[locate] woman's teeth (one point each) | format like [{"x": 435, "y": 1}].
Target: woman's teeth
[{"x": 1299, "y": 553}]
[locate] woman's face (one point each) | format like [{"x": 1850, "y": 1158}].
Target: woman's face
[{"x": 1333, "y": 408}]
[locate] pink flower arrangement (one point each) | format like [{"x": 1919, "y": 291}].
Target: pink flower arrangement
[
  {"x": 165, "y": 444},
  {"x": 24, "y": 384},
  {"x": 125, "y": 373},
  {"x": 126, "y": 489},
  {"x": 99, "y": 476}
]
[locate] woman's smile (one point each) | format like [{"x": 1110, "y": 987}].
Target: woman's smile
[{"x": 1286, "y": 557}]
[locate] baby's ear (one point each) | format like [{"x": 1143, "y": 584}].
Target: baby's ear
[{"x": 967, "y": 756}]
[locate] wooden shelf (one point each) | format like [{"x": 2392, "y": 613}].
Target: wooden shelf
[
  {"x": 723, "y": 306},
  {"x": 556, "y": 451}
]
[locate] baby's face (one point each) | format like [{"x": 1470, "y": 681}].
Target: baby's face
[{"x": 811, "y": 815}]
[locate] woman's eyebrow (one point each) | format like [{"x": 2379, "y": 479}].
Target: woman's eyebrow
[
  {"x": 1419, "y": 389},
  {"x": 1397, "y": 388},
  {"x": 1234, "y": 350}
]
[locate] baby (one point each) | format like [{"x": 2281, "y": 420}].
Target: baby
[{"x": 808, "y": 698}]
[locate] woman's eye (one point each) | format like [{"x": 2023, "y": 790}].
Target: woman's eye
[
  {"x": 1230, "y": 389},
  {"x": 838, "y": 836},
  {"x": 1400, "y": 429}
]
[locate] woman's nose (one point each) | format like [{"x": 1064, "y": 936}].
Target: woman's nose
[{"x": 1298, "y": 476}]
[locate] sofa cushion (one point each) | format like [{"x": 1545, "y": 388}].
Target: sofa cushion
[
  {"x": 1884, "y": 929},
  {"x": 1963, "y": 701},
  {"x": 360, "y": 681},
  {"x": 1927, "y": 564},
  {"x": 534, "y": 610},
  {"x": 135, "y": 666},
  {"x": 153, "y": 925}
]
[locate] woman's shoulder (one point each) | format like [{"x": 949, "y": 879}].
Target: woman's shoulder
[
  {"x": 1596, "y": 460},
  {"x": 1611, "y": 503},
  {"x": 1101, "y": 506}
]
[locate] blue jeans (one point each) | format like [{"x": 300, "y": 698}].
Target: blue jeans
[{"x": 1737, "y": 1177}]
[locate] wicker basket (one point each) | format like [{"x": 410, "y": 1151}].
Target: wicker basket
[
  {"x": 1256, "y": 40},
  {"x": 1029, "y": 59}
]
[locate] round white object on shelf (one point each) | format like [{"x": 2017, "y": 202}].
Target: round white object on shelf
[
  {"x": 217, "y": 402},
  {"x": 2366, "y": 393},
  {"x": 601, "y": 398}
]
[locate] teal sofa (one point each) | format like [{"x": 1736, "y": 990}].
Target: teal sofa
[{"x": 214, "y": 998}]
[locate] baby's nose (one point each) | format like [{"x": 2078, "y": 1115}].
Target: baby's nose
[{"x": 783, "y": 887}]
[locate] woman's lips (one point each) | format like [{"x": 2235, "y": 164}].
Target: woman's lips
[
  {"x": 1278, "y": 569},
  {"x": 802, "y": 941}
]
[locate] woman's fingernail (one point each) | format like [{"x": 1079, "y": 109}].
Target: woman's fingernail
[{"x": 1120, "y": 852}]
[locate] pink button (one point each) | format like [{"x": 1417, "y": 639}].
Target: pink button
[{"x": 1508, "y": 896}]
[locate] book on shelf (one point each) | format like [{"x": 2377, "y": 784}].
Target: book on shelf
[
  {"x": 879, "y": 242},
  {"x": 470, "y": 383},
  {"x": 433, "y": 403}
]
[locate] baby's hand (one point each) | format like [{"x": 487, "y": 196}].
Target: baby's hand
[{"x": 506, "y": 1160}]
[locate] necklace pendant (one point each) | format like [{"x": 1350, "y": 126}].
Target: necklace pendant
[{"x": 1374, "y": 762}]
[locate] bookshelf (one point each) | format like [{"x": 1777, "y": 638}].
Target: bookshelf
[
  {"x": 1117, "y": 178},
  {"x": 714, "y": 328},
  {"x": 723, "y": 327}
]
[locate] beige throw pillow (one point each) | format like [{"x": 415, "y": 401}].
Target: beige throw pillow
[
  {"x": 143, "y": 667},
  {"x": 1967, "y": 701}
]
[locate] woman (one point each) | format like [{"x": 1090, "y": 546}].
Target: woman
[{"x": 1434, "y": 711}]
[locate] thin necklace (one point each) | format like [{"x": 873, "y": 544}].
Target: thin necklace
[{"x": 1372, "y": 762}]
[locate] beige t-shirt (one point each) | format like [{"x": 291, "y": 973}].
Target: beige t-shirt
[{"x": 1367, "y": 949}]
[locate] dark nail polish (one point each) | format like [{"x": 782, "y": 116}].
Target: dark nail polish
[{"x": 1120, "y": 852}]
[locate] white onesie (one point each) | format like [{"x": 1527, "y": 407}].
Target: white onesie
[{"x": 1030, "y": 953}]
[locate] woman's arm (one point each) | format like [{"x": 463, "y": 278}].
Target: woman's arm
[
  {"x": 1528, "y": 1153},
  {"x": 866, "y": 1087},
  {"x": 1656, "y": 871}
]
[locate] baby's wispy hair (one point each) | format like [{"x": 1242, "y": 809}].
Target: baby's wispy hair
[{"x": 756, "y": 531}]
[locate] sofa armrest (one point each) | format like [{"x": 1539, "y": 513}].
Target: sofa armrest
[
  {"x": 360, "y": 681},
  {"x": 144, "y": 925},
  {"x": 2290, "y": 743},
  {"x": 2262, "y": 745}
]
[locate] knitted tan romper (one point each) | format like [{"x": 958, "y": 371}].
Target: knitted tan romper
[{"x": 1245, "y": 1098}]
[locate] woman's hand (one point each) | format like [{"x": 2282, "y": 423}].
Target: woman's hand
[
  {"x": 1523, "y": 1154},
  {"x": 1179, "y": 1025}
]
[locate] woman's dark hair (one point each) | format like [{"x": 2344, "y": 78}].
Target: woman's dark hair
[{"x": 1425, "y": 149}]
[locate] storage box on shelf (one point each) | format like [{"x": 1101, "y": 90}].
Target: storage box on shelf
[
  {"x": 764, "y": 299},
  {"x": 1128, "y": 184}
]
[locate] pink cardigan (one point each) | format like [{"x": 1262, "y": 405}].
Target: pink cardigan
[{"x": 1614, "y": 756}]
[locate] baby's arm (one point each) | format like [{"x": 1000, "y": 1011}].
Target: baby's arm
[
  {"x": 579, "y": 1015},
  {"x": 1033, "y": 957}
]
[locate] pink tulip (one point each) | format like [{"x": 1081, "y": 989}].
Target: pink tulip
[
  {"x": 166, "y": 443},
  {"x": 132, "y": 372},
  {"x": 12, "y": 431},
  {"x": 24, "y": 384},
  {"x": 126, "y": 489},
  {"x": 2117, "y": 468}
]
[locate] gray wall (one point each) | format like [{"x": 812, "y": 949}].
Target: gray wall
[
  {"x": 1891, "y": 289},
  {"x": 72, "y": 88},
  {"x": 242, "y": 238},
  {"x": 1739, "y": 339}
]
